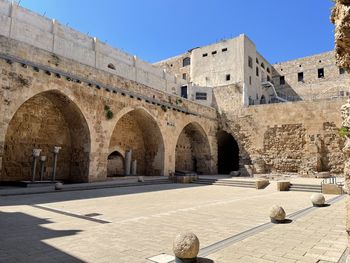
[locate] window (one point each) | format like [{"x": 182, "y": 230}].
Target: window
[
  {"x": 250, "y": 62},
  {"x": 262, "y": 65},
  {"x": 268, "y": 70},
  {"x": 186, "y": 62},
  {"x": 282, "y": 80},
  {"x": 201, "y": 96},
  {"x": 205, "y": 55},
  {"x": 342, "y": 93},
  {"x": 111, "y": 66},
  {"x": 184, "y": 76},
  {"x": 228, "y": 77},
  {"x": 257, "y": 61},
  {"x": 184, "y": 92},
  {"x": 320, "y": 72},
  {"x": 341, "y": 70},
  {"x": 257, "y": 71},
  {"x": 250, "y": 80},
  {"x": 214, "y": 52},
  {"x": 268, "y": 78},
  {"x": 224, "y": 49},
  {"x": 300, "y": 76}
]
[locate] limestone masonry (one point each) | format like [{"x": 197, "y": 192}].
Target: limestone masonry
[{"x": 218, "y": 108}]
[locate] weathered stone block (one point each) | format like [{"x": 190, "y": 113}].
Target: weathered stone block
[
  {"x": 261, "y": 183},
  {"x": 283, "y": 185},
  {"x": 332, "y": 189}
]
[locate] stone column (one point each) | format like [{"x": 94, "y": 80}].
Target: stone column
[
  {"x": 56, "y": 150},
  {"x": 134, "y": 168},
  {"x": 42, "y": 163},
  {"x": 128, "y": 156},
  {"x": 36, "y": 154}
]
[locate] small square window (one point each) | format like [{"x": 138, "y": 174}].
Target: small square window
[
  {"x": 320, "y": 73},
  {"x": 184, "y": 76},
  {"x": 224, "y": 49},
  {"x": 228, "y": 77},
  {"x": 205, "y": 55}
]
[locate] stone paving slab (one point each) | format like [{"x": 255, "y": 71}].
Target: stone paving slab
[{"x": 145, "y": 219}]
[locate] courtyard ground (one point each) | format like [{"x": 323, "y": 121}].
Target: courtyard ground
[{"x": 134, "y": 224}]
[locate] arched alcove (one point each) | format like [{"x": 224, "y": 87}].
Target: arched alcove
[
  {"x": 192, "y": 150},
  {"x": 46, "y": 120},
  {"x": 139, "y": 132},
  {"x": 115, "y": 164}
]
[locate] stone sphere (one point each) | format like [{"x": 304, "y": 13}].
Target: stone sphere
[
  {"x": 318, "y": 199},
  {"x": 58, "y": 186},
  {"x": 186, "y": 245},
  {"x": 277, "y": 213}
]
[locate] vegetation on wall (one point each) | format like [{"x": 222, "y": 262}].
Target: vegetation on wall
[{"x": 109, "y": 113}]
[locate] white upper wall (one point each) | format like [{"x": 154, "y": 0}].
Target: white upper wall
[{"x": 24, "y": 25}]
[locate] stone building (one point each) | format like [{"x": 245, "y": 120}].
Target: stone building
[{"x": 62, "y": 88}]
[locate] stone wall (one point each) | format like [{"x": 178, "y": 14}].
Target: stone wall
[
  {"x": 80, "y": 93},
  {"x": 297, "y": 137}
]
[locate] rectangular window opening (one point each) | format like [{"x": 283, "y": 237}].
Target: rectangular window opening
[
  {"x": 300, "y": 76},
  {"x": 320, "y": 73},
  {"x": 224, "y": 49},
  {"x": 257, "y": 71},
  {"x": 205, "y": 55},
  {"x": 250, "y": 62},
  {"x": 214, "y": 52},
  {"x": 184, "y": 76},
  {"x": 282, "y": 80},
  {"x": 201, "y": 96},
  {"x": 228, "y": 77},
  {"x": 184, "y": 92}
]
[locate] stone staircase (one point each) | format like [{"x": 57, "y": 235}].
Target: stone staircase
[
  {"x": 306, "y": 188},
  {"x": 226, "y": 182}
]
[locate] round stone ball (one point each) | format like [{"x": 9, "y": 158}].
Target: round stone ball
[
  {"x": 318, "y": 199},
  {"x": 58, "y": 186},
  {"x": 186, "y": 245},
  {"x": 277, "y": 213}
]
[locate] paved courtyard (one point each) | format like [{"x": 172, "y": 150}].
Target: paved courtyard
[{"x": 132, "y": 224}]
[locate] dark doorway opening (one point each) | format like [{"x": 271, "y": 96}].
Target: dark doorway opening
[{"x": 228, "y": 153}]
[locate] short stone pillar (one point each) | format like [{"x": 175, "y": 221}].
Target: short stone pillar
[
  {"x": 186, "y": 248},
  {"x": 277, "y": 214},
  {"x": 56, "y": 150},
  {"x": 318, "y": 200},
  {"x": 134, "y": 168},
  {"x": 58, "y": 186},
  {"x": 36, "y": 154},
  {"x": 283, "y": 185},
  {"x": 128, "y": 156},
  {"x": 42, "y": 163}
]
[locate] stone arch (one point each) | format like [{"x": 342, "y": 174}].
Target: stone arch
[
  {"x": 137, "y": 130},
  {"x": 228, "y": 153},
  {"x": 43, "y": 121},
  {"x": 115, "y": 164},
  {"x": 192, "y": 151}
]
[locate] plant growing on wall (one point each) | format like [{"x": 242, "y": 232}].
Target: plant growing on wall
[
  {"x": 344, "y": 132},
  {"x": 109, "y": 113}
]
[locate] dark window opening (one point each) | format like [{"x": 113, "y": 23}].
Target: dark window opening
[
  {"x": 171, "y": 65},
  {"x": 268, "y": 70},
  {"x": 111, "y": 66},
  {"x": 224, "y": 49},
  {"x": 320, "y": 72},
  {"x": 250, "y": 62},
  {"x": 257, "y": 71},
  {"x": 250, "y": 80},
  {"x": 341, "y": 70},
  {"x": 300, "y": 76},
  {"x": 205, "y": 55},
  {"x": 262, "y": 65},
  {"x": 228, "y": 77},
  {"x": 268, "y": 78},
  {"x": 214, "y": 52},
  {"x": 184, "y": 76},
  {"x": 184, "y": 92},
  {"x": 257, "y": 61},
  {"x": 282, "y": 80},
  {"x": 342, "y": 93},
  {"x": 186, "y": 62},
  {"x": 201, "y": 96}
]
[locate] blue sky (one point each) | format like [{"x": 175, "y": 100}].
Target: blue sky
[{"x": 157, "y": 29}]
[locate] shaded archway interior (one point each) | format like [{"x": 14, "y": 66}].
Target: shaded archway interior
[
  {"x": 115, "y": 164},
  {"x": 46, "y": 120},
  {"x": 228, "y": 153},
  {"x": 192, "y": 150},
  {"x": 139, "y": 132}
]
